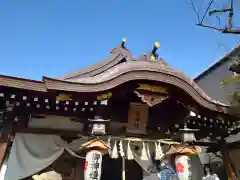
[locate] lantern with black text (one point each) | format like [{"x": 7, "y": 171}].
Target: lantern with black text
[{"x": 93, "y": 164}]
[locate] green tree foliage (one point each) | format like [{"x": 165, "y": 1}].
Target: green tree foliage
[{"x": 234, "y": 79}]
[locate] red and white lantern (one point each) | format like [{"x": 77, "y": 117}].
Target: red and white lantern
[
  {"x": 183, "y": 167},
  {"x": 93, "y": 165},
  {"x": 94, "y": 149}
]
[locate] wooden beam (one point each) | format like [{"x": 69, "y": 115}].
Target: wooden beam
[
  {"x": 3, "y": 148},
  {"x": 7, "y": 128}
]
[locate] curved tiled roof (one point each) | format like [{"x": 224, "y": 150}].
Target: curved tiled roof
[
  {"x": 114, "y": 72},
  {"x": 22, "y": 83},
  {"x": 135, "y": 70},
  {"x": 116, "y": 55}
]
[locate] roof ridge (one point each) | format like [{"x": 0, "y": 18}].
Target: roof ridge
[
  {"x": 114, "y": 54},
  {"x": 216, "y": 63}
]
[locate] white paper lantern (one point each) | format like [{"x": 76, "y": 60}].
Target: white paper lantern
[
  {"x": 183, "y": 167},
  {"x": 93, "y": 165}
]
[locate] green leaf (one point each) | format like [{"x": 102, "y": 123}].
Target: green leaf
[{"x": 232, "y": 79}]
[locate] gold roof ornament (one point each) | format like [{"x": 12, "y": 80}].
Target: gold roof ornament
[
  {"x": 153, "y": 58},
  {"x": 154, "y": 51},
  {"x": 105, "y": 96},
  {"x": 63, "y": 97},
  {"x": 152, "y": 88},
  {"x": 157, "y": 44},
  {"x": 124, "y": 40}
]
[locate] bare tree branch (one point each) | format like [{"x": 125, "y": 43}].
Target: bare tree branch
[
  {"x": 231, "y": 31},
  {"x": 211, "y": 27},
  {"x": 195, "y": 10},
  {"x": 209, "y": 5},
  {"x": 200, "y": 6},
  {"x": 219, "y": 11},
  {"x": 219, "y": 20},
  {"x": 225, "y": 30}
]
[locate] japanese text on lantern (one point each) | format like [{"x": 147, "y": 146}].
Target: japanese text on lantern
[{"x": 94, "y": 166}]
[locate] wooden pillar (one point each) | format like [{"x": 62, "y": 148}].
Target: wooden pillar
[
  {"x": 123, "y": 168},
  {"x": 228, "y": 163},
  {"x": 21, "y": 122},
  {"x": 6, "y": 147},
  {"x": 3, "y": 148},
  {"x": 7, "y": 127}
]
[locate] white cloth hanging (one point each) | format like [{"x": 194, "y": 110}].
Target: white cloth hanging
[{"x": 32, "y": 153}]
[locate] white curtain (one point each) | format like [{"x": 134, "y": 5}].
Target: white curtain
[{"x": 32, "y": 153}]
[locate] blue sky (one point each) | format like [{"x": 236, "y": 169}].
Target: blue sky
[{"x": 54, "y": 37}]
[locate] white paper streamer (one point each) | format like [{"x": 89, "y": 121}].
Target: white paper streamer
[
  {"x": 158, "y": 151},
  {"x": 129, "y": 152},
  {"x": 121, "y": 150},
  {"x": 109, "y": 145},
  {"x": 114, "y": 154},
  {"x": 144, "y": 155}
]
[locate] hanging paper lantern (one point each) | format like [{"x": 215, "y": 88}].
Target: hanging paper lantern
[
  {"x": 183, "y": 167},
  {"x": 93, "y": 165}
]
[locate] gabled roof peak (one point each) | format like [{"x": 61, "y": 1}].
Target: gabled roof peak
[
  {"x": 117, "y": 55},
  {"x": 121, "y": 47}
]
